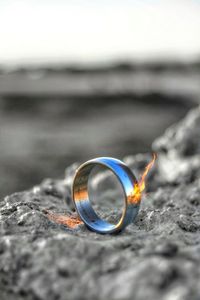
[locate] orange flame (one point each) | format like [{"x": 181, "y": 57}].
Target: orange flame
[
  {"x": 140, "y": 186},
  {"x": 146, "y": 171},
  {"x": 135, "y": 197},
  {"x": 69, "y": 221}
]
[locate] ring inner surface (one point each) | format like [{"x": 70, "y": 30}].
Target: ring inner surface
[{"x": 84, "y": 205}]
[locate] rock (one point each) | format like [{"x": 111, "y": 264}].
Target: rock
[
  {"x": 47, "y": 253},
  {"x": 179, "y": 150},
  {"x": 167, "y": 249},
  {"x": 187, "y": 224}
]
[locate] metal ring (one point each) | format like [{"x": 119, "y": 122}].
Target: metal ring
[{"x": 83, "y": 204}]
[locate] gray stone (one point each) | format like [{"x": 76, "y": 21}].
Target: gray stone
[
  {"x": 156, "y": 258},
  {"x": 179, "y": 150}
]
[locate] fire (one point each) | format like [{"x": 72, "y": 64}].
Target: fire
[
  {"x": 140, "y": 185},
  {"x": 146, "y": 171},
  {"x": 69, "y": 221},
  {"x": 135, "y": 197}
]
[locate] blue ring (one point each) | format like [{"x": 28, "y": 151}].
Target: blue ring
[{"x": 82, "y": 202}]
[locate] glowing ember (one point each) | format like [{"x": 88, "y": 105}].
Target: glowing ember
[
  {"x": 140, "y": 186},
  {"x": 69, "y": 221}
]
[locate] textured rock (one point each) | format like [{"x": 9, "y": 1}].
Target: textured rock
[
  {"x": 158, "y": 257},
  {"x": 179, "y": 150}
]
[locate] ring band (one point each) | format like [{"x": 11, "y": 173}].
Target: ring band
[{"x": 83, "y": 204}]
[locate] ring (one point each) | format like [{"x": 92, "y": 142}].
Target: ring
[{"x": 83, "y": 205}]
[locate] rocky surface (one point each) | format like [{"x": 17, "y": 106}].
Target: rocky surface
[{"x": 46, "y": 254}]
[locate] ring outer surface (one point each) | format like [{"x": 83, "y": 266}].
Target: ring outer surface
[{"x": 81, "y": 198}]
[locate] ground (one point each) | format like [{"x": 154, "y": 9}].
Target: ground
[{"x": 43, "y": 255}]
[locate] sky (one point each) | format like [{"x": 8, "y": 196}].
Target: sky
[{"x": 93, "y": 31}]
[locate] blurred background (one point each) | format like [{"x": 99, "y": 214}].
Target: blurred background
[{"x": 81, "y": 79}]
